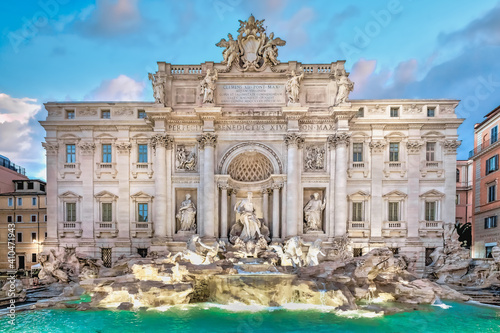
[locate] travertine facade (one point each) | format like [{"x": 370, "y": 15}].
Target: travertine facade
[{"x": 385, "y": 169}]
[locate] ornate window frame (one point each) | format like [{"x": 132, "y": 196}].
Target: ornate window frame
[
  {"x": 65, "y": 226},
  {"x": 105, "y": 226},
  {"x": 141, "y": 168},
  {"x": 105, "y": 168},
  {"x": 359, "y": 228},
  {"x": 141, "y": 227},
  {"x": 69, "y": 168}
]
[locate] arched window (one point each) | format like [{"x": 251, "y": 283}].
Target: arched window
[{"x": 458, "y": 176}]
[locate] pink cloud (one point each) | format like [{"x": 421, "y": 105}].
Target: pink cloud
[{"x": 122, "y": 88}]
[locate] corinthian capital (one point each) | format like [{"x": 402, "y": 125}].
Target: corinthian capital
[
  {"x": 414, "y": 146},
  {"x": 160, "y": 140},
  {"x": 87, "y": 148},
  {"x": 123, "y": 147},
  {"x": 51, "y": 148},
  {"x": 451, "y": 146},
  {"x": 294, "y": 140},
  {"x": 207, "y": 140},
  {"x": 342, "y": 138},
  {"x": 378, "y": 146}
]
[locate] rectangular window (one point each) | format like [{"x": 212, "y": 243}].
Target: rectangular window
[
  {"x": 42, "y": 187},
  {"x": 106, "y": 212},
  {"x": 457, "y": 199},
  {"x": 70, "y": 154},
  {"x": 33, "y": 257},
  {"x": 143, "y": 212},
  {"x": 105, "y": 114},
  {"x": 431, "y": 112},
  {"x": 45, "y": 234},
  {"x": 106, "y": 257},
  {"x": 361, "y": 113},
  {"x": 357, "y": 152},
  {"x": 19, "y": 201},
  {"x": 393, "y": 211},
  {"x": 33, "y": 201},
  {"x": 106, "y": 153},
  {"x": 357, "y": 211},
  {"x": 490, "y": 222},
  {"x": 143, "y": 154},
  {"x": 141, "y": 114},
  {"x": 394, "y": 152},
  {"x": 20, "y": 186},
  {"x": 19, "y": 237},
  {"x": 70, "y": 114},
  {"x": 33, "y": 218},
  {"x": 19, "y": 218},
  {"x": 492, "y": 164},
  {"x": 45, "y": 218},
  {"x": 71, "y": 211},
  {"x": 494, "y": 134},
  {"x": 9, "y": 219},
  {"x": 430, "y": 211},
  {"x": 357, "y": 252},
  {"x": 492, "y": 193},
  {"x": 394, "y": 112},
  {"x": 430, "y": 151},
  {"x": 10, "y": 202},
  {"x": 33, "y": 237},
  {"x": 31, "y": 186}
]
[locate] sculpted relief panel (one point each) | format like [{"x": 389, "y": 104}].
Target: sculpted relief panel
[
  {"x": 314, "y": 158},
  {"x": 185, "y": 158}
]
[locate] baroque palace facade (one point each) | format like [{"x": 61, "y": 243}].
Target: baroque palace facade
[{"x": 128, "y": 177}]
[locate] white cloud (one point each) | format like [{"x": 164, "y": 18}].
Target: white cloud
[
  {"x": 17, "y": 109},
  {"x": 122, "y": 88},
  {"x": 20, "y": 133}
]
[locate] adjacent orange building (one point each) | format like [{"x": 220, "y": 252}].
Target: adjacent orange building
[
  {"x": 9, "y": 172},
  {"x": 486, "y": 198}
]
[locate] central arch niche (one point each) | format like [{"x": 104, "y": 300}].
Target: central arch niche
[{"x": 250, "y": 166}]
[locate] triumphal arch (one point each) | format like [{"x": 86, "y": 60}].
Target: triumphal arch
[{"x": 247, "y": 147}]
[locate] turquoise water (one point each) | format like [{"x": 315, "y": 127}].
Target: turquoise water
[{"x": 209, "y": 318}]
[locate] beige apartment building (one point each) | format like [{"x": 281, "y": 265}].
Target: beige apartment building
[{"x": 25, "y": 209}]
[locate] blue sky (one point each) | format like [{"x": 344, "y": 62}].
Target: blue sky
[{"x": 57, "y": 50}]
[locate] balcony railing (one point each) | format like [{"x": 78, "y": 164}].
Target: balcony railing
[
  {"x": 105, "y": 168},
  {"x": 431, "y": 229},
  {"x": 70, "y": 168},
  {"x": 142, "y": 227},
  {"x": 394, "y": 229},
  {"x": 358, "y": 229},
  {"x": 66, "y": 227},
  {"x": 146, "y": 168},
  {"x": 395, "y": 166},
  {"x": 431, "y": 166},
  {"x": 482, "y": 146},
  {"x": 106, "y": 227},
  {"x": 358, "y": 167}
]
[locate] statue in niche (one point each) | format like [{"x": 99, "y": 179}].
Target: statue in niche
[
  {"x": 269, "y": 50},
  {"x": 345, "y": 86},
  {"x": 158, "y": 88},
  {"x": 187, "y": 215},
  {"x": 293, "y": 87},
  {"x": 315, "y": 158},
  {"x": 248, "y": 227},
  {"x": 230, "y": 54},
  {"x": 251, "y": 224},
  {"x": 185, "y": 160},
  {"x": 312, "y": 213},
  {"x": 208, "y": 86}
]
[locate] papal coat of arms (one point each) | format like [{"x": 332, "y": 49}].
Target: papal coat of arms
[{"x": 252, "y": 50}]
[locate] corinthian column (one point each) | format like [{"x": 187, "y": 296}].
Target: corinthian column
[
  {"x": 294, "y": 142},
  {"x": 207, "y": 229},
  {"x": 223, "y": 211},
  {"x": 276, "y": 210},
  {"x": 159, "y": 142},
  {"x": 413, "y": 148},
  {"x": 52, "y": 216},
  {"x": 341, "y": 142},
  {"x": 448, "y": 213},
  {"x": 265, "y": 205}
]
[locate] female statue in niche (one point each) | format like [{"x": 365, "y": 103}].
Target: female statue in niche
[
  {"x": 293, "y": 87},
  {"x": 187, "y": 215}
]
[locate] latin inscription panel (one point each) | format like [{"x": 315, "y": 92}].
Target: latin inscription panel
[{"x": 250, "y": 94}]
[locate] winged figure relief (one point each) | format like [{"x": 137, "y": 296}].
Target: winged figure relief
[
  {"x": 230, "y": 54},
  {"x": 269, "y": 48}
]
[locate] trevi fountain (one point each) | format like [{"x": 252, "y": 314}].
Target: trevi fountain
[{"x": 253, "y": 270}]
